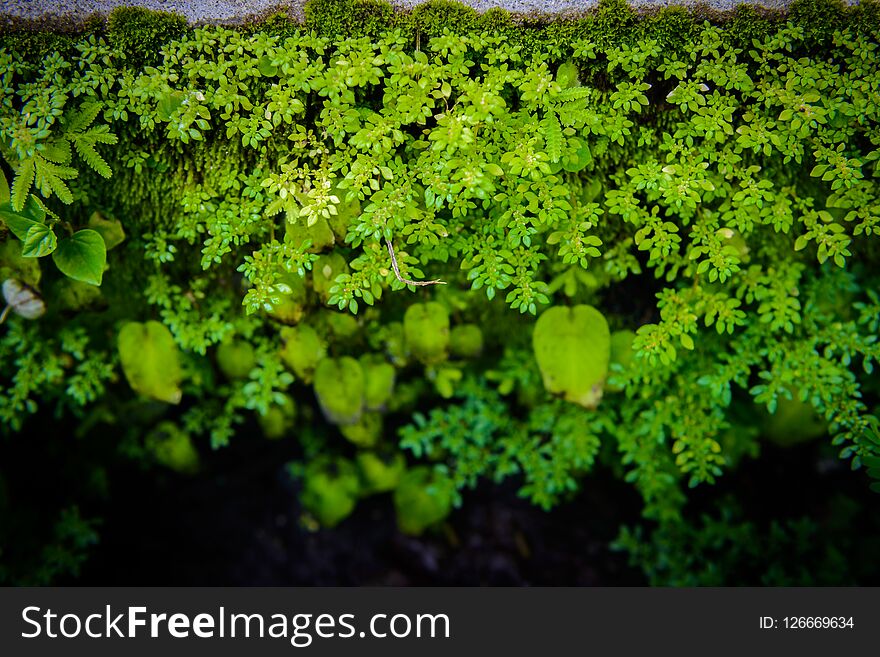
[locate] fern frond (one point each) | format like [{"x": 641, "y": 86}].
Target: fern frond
[
  {"x": 85, "y": 148},
  {"x": 572, "y": 94},
  {"x": 82, "y": 118},
  {"x": 50, "y": 179},
  {"x": 85, "y": 142},
  {"x": 552, "y": 136},
  {"x": 57, "y": 151},
  {"x": 21, "y": 185}
]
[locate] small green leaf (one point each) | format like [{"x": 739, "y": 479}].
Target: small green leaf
[
  {"x": 82, "y": 256},
  {"x": 687, "y": 341},
  {"x": 40, "y": 241},
  {"x": 266, "y": 67}
]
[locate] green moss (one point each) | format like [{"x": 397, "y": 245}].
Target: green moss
[
  {"x": 141, "y": 33},
  {"x": 818, "y": 18},
  {"x": 434, "y": 16},
  {"x": 673, "y": 28},
  {"x": 748, "y": 23},
  {"x": 334, "y": 18},
  {"x": 36, "y": 45}
]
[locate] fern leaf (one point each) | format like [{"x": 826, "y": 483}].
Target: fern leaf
[
  {"x": 572, "y": 94},
  {"x": 552, "y": 136},
  {"x": 57, "y": 151},
  {"x": 50, "y": 179},
  {"x": 83, "y": 117},
  {"x": 24, "y": 178},
  {"x": 85, "y": 148}
]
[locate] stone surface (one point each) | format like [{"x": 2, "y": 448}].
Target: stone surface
[{"x": 205, "y": 11}]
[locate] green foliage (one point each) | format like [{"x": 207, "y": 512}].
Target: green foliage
[{"x": 689, "y": 208}]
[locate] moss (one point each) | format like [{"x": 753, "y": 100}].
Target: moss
[
  {"x": 864, "y": 18},
  {"x": 748, "y": 23},
  {"x": 818, "y": 18},
  {"x": 335, "y": 18},
  {"x": 36, "y": 45},
  {"x": 434, "y": 16},
  {"x": 277, "y": 24},
  {"x": 496, "y": 20},
  {"x": 613, "y": 22},
  {"x": 141, "y": 33},
  {"x": 672, "y": 27}
]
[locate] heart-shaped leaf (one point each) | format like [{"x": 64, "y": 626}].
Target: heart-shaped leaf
[
  {"x": 426, "y": 327},
  {"x": 82, "y": 256},
  {"x": 573, "y": 349},
  {"x": 339, "y": 386},
  {"x": 150, "y": 360},
  {"x": 423, "y": 497},
  {"x": 40, "y": 241}
]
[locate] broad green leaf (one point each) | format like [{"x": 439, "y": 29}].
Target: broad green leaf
[
  {"x": 173, "y": 448},
  {"x": 378, "y": 381},
  {"x": 426, "y": 328},
  {"x": 422, "y": 498},
  {"x": 379, "y": 472},
  {"x": 18, "y": 224},
  {"x": 324, "y": 272},
  {"x": 40, "y": 241},
  {"x": 339, "y": 386},
  {"x": 302, "y": 350},
  {"x": 68, "y": 294},
  {"x": 150, "y": 360},
  {"x": 567, "y": 74},
  {"x": 266, "y": 67},
  {"x": 14, "y": 265},
  {"x": 279, "y": 419},
  {"x": 110, "y": 229},
  {"x": 236, "y": 359},
  {"x": 330, "y": 489},
  {"x": 573, "y": 349},
  {"x": 168, "y": 104},
  {"x": 466, "y": 341},
  {"x": 365, "y": 432},
  {"x": 291, "y": 301},
  {"x": 82, "y": 256}
]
